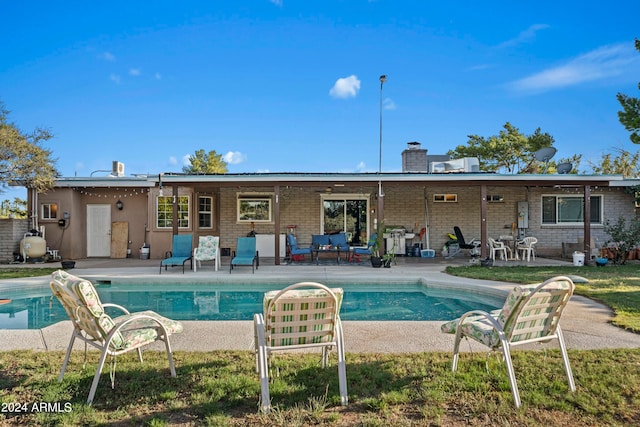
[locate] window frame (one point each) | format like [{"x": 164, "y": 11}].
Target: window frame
[
  {"x": 52, "y": 206},
  {"x": 184, "y": 211},
  {"x": 205, "y": 212},
  {"x": 246, "y": 217},
  {"x": 559, "y": 197}
]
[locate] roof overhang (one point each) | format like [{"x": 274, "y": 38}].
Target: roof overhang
[{"x": 349, "y": 179}]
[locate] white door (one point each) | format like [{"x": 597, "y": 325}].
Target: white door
[{"x": 98, "y": 230}]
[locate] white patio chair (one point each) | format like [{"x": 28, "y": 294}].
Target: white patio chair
[
  {"x": 530, "y": 314},
  {"x": 527, "y": 246},
  {"x": 112, "y": 336},
  {"x": 208, "y": 250},
  {"x": 302, "y": 316},
  {"x": 499, "y": 247}
]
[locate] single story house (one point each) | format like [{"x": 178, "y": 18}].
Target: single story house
[{"x": 115, "y": 216}]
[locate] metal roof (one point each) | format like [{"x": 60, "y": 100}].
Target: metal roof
[{"x": 296, "y": 178}]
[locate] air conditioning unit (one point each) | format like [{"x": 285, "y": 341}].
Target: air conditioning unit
[
  {"x": 465, "y": 164},
  {"x": 117, "y": 168}
]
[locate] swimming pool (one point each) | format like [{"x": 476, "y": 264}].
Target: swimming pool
[{"x": 33, "y": 307}]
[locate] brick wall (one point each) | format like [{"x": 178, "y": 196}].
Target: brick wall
[{"x": 11, "y": 233}]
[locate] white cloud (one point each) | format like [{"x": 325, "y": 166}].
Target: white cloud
[
  {"x": 234, "y": 157},
  {"x": 186, "y": 160},
  {"x": 346, "y": 87},
  {"x": 115, "y": 78},
  {"x": 604, "y": 62},
  {"x": 173, "y": 161},
  {"x": 158, "y": 76},
  {"x": 525, "y": 36},
  {"x": 134, "y": 72},
  {"x": 108, "y": 56},
  {"x": 388, "y": 104},
  {"x": 276, "y": 2},
  {"x": 361, "y": 167}
]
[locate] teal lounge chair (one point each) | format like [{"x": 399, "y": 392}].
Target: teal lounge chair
[
  {"x": 180, "y": 252},
  {"x": 246, "y": 254}
]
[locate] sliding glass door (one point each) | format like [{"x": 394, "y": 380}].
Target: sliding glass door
[{"x": 346, "y": 213}]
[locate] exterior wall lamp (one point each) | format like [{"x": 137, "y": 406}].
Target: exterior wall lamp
[{"x": 119, "y": 205}]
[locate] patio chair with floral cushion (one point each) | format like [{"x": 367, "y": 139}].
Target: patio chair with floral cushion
[
  {"x": 112, "y": 336},
  {"x": 530, "y": 314},
  {"x": 208, "y": 250},
  {"x": 301, "y": 316}
]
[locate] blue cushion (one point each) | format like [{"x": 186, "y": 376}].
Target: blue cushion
[
  {"x": 319, "y": 240},
  {"x": 339, "y": 240}
]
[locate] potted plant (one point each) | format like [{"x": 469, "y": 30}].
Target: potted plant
[
  {"x": 376, "y": 260},
  {"x": 389, "y": 257}
]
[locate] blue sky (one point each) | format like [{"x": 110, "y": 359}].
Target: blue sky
[{"x": 284, "y": 85}]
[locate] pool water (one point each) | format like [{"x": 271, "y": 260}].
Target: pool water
[{"x": 35, "y": 308}]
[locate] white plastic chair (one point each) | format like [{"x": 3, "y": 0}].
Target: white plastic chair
[
  {"x": 526, "y": 245},
  {"x": 499, "y": 247},
  {"x": 302, "y": 316}
]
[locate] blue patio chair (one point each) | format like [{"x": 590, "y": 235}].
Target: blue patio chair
[
  {"x": 339, "y": 241},
  {"x": 318, "y": 240},
  {"x": 180, "y": 252},
  {"x": 368, "y": 251},
  {"x": 245, "y": 254},
  {"x": 295, "y": 250}
]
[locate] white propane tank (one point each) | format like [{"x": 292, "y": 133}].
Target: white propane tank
[{"x": 33, "y": 246}]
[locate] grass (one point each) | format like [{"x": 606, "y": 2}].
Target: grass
[
  {"x": 617, "y": 286},
  {"x": 220, "y": 388}
]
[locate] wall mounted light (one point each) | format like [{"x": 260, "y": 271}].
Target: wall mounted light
[{"x": 119, "y": 205}]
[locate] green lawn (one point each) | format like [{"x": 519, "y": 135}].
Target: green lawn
[{"x": 221, "y": 387}]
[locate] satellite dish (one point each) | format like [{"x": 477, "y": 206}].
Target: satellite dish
[
  {"x": 564, "y": 168},
  {"x": 545, "y": 154}
]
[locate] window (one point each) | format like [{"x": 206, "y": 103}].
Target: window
[
  {"x": 346, "y": 213},
  {"x": 164, "y": 217},
  {"x": 443, "y": 198},
  {"x": 495, "y": 198},
  {"x": 205, "y": 212},
  {"x": 254, "y": 208},
  {"x": 49, "y": 211},
  {"x": 570, "y": 210}
]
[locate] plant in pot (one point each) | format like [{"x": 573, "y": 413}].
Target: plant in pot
[
  {"x": 376, "y": 260},
  {"x": 389, "y": 257}
]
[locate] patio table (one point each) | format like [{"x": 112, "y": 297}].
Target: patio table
[{"x": 328, "y": 250}]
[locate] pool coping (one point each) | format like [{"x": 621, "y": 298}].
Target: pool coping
[{"x": 586, "y": 324}]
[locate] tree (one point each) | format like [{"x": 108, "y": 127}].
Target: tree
[
  {"x": 23, "y": 160},
  {"x": 509, "y": 151},
  {"x": 630, "y": 114},
  {"x": 625, "y": 164},
  {"x": 15, "y": 209},
  {"x": 205, "y": 163}
]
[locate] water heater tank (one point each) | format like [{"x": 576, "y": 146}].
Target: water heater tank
[{"x": 33, "y": 246}]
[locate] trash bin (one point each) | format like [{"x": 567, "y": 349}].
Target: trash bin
[
  {"x": 578, "y": 259},
  {"x": 144, "y": 252}
]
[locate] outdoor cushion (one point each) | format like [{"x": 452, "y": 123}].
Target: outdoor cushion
[{"x": 319, "y": 240}]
